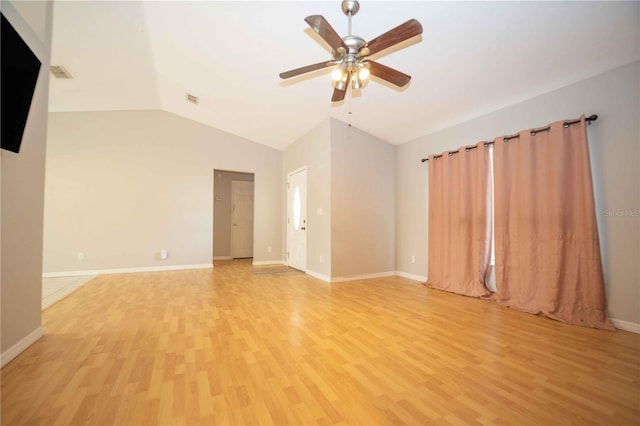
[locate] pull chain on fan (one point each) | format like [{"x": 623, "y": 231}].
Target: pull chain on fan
[{"x": 349, "y": 53}]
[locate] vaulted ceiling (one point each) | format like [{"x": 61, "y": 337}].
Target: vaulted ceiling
[{"x": 472, "y": 58}]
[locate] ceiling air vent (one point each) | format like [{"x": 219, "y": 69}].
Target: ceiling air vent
[
  {"x": 192, "y": 98},
  {"x": 58, "y": 71}
]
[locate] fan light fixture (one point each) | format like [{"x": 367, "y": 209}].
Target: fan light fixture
[
  {"x": 349, "y": 53},
  {"x": 356, "y": 73},
  {"x": 364, "y": 70}
]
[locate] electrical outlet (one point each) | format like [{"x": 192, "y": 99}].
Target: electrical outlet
[
  {"x": 320, "y": 259},
  {"x": 164, "y": 254},
  {"x": 80, "y": 255},
  {"x": 269, "y": 250},
  {"x": 413, "y": 259}
]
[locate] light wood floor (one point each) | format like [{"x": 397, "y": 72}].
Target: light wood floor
[{"x": 228, "y": 347}]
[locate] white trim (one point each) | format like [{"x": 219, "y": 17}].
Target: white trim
[
  {"x": 268, "y": 262},
  {"x": 362, "y": 277},
  {"x": 319, "y": 276},
  {"x": 15, "y": 350},
  {"x": 633, "y": 327},
  {"x": 126, "y": 270},
  {"x": 222, "y": 258},
  {"x": 299, "y": 169},
  {"x": 411, "y": 276}
]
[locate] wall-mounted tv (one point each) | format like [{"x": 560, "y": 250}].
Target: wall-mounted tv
[{"x": 19, "y": 69}]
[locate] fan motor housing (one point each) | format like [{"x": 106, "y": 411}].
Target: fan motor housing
[
  {"x": 353, "y": 42},
  {"x": 352, "y": 56}
]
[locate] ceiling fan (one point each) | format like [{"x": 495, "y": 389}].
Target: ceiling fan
[{"x": 349, "y": 53}]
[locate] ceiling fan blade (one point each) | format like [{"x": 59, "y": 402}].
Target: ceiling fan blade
[
  {"x": 326, "y": 31},
  {"x": 388, "y": 74},
  {"x": 402, "y": 32},
  {"x": 338, "y": 95},
  {"x": 308, "y": 68}
]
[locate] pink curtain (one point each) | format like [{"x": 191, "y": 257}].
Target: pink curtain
[
  {"x": 460, "y": 221},
  {"x": 546, "y": 236}
]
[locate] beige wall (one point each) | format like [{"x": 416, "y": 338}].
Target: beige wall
[
  {"x": 313, "y": 151},
  {"x": 615, "y": 157},
  {"x": 122, "y": 185},
  {"x": 23, "y": 195},
  {"x": 363, "y": 201},
  {"x": 222, "y": 210},
  {"x": 351, "y": 181}
]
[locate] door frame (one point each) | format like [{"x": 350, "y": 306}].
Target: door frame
[
  {"x": 288, "y": 219},
  {"x": 220, "y": 214}
]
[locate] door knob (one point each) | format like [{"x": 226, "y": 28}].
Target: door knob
[{"x": 303, "y": 228}]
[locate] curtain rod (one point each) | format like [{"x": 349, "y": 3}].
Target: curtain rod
[{"x": 592, "y": 117}]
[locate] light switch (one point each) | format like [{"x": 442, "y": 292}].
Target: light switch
[{"x": 320, "y": 212}]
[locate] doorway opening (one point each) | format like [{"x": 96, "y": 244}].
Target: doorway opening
[{"x": 232, "y": 215}]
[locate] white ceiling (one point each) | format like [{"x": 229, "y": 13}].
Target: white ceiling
[{"x": 473, "y": 58}]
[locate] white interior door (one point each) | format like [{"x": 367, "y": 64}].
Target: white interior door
[
  {"x": 241, "y": 219},
  {"x": 297, "y": 219}
]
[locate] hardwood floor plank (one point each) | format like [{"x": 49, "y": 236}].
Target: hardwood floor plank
[{"x": 228, "y": 347}]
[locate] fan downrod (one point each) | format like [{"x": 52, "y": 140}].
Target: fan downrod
[{"x": 350, "y": 7}]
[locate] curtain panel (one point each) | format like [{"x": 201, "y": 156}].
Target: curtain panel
[
  {"x": 460, "y": 221},
  {"x": 546, "y": 237}
]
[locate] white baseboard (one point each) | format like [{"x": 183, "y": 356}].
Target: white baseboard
[
  {"x": 411, "y": 276},
  {"x": 319, "y": 276},
  {"x": 222, "y": 258},
  {"x": 126, "y": 270},
  {"x": 15, "y": 350},
  {"x": 268, "y": 262},
  {"x": 362, "y": 276},
  {"x": 633, "y": 327}
]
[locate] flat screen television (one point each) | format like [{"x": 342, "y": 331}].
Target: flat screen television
[{"x": 19, "y": 69}]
